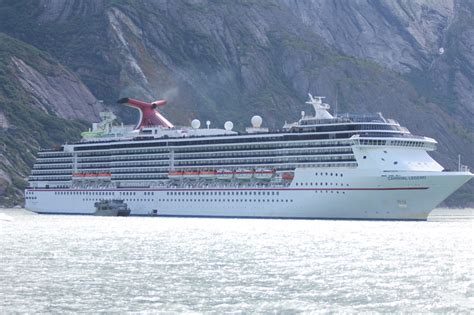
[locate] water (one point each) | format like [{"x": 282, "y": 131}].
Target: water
[{"x": 104, "y": 264}]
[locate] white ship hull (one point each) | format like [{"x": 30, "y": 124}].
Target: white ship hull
[
  {"x": 353, "y": 194},
  {"x": 321, "y": 167}
]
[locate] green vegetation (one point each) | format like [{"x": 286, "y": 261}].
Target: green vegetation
[{"x": 30, "y": 128}]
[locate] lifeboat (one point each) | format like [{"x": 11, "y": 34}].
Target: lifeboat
[
  {"x": 224, "y": 174},
  {"x": 175, "y": 174},
  {"x": 103, "y": 175},
  {"x": 243, "y": 174},
  {"x": 191, "y": 174},
  {"x": 287, "y": 176},
  {"x": 207, "y": 174},
  {"x": 264, "y": 173},
  {"x": 91, "y": 174}
]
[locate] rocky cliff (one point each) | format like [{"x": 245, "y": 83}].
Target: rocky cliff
[
  {"x": 221, "y": 60},
  {"x": 37, "y": 95},
  {"x": 428, "y": 41}
]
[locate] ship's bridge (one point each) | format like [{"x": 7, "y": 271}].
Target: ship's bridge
[{"x": 362, "y": 124}]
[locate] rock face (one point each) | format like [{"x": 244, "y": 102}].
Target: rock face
[
  {"x": 63, "y": 95},
  {"x": 427, "y": 40},
  {"x": 452, "y": 73},
  {"x": 3, "y": 121},
  {"x": 37, "y": 94},
  {"x": 400, "y": 35},
  {"x": 222, "y": 60}
]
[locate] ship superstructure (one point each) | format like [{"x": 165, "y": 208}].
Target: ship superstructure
[{"x": 348, "y": 166}]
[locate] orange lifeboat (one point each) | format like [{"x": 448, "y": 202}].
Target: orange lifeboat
[
  {"x": 175, "y": 174},
  {"x": 92, "y": 175}
]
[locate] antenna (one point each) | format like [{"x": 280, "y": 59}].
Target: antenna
[
  {"x": 459, "y": 162},
  {"x": 335, "y": 109}
]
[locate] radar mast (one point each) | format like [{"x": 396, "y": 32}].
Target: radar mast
[{"x": 320, "y": 108}]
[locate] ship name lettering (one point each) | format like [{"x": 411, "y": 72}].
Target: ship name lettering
[{"x": 398, "y": 177}]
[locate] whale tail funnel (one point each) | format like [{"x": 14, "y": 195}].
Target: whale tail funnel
[{"x": 148, "y": 114}]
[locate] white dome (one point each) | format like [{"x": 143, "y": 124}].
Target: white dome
[
  {"x": 256, "y": 121},
  {"x": 228, "y": 125},
  {"x": 195, "y": 124}
]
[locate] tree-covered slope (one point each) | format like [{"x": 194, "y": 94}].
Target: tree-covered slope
[{"x": 26, "y": 125}]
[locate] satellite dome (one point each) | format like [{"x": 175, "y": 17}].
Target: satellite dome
[
  {"x": 228, "y": 125},
  {"x": 195, "y": 124},
  {"x": 256, "y": 121}
]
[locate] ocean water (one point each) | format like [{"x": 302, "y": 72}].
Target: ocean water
[{"x": 88, "y": 264}]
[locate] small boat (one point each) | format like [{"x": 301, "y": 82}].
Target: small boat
[
  {"x": 91, "y": 176},
  {"x": 190, "y": 174},
  {"x": 175, "y": 174},
  {"x": 112, "y": 208},
  {"x": 264, "y": 173},
  {"x": 224, "y": 174},
  {"x": 207, "y": 174},
  {"x": 243, "y": 174},
  {"x": 288, "y": 176}
]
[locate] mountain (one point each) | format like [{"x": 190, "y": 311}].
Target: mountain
[
  {"x": 428, "y": 42},
  {"x": 228, "y": 60},
  {"x": 38, "y": 99}
]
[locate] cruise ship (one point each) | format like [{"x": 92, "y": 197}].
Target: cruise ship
[{"x": 320, "y": 167}]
